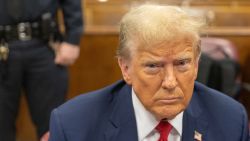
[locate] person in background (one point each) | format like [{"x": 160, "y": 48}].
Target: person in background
[
  {"x": 28, "y": 29},
  {"x": 158, "y": 98}
]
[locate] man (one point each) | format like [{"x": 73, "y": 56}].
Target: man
[
  {"x": 158, "y": 100},
  {"x": 27, "y": 61}
]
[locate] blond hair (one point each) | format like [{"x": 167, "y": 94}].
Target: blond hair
[{"x": 148, "y": 25}]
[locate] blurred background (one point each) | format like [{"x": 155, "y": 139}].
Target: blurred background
[{"x": 228, "y": 25}]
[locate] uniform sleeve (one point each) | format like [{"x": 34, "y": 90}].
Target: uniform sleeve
[
  {"x": 73, "y": 20},
  {"x": 56, "y": 129}
]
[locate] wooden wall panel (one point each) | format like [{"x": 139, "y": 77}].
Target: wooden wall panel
[
  {"x": 217, "y": 13},
  {"x": 97, "y": 65},
  {"x": 25, "y": 128},
  {"x": 177, "y": 2}
]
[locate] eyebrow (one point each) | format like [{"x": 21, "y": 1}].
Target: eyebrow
[
  {"x": 152, "y": 59},
  {"x": 183, "y": 59},
  {"x": 145, "y": 62}
]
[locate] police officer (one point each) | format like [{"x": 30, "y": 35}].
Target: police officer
[{"x": 29, "y": 65}]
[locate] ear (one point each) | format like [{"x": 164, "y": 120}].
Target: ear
[{"x": 125, "y": 69}]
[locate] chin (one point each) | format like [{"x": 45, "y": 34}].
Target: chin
[{"x": 169, "y": 113}]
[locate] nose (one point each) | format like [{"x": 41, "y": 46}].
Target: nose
[{"x": 169, "y": 81}]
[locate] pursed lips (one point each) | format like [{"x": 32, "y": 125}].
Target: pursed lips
[{"x": 169, "y": 100}]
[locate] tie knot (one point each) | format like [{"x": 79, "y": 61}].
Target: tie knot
[{"x": 164, "y": 129}]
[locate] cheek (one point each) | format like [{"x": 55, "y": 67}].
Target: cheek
[
  {"x": 188, "y": 76},
  {"x": 188, "y": 93},
  {"x": 143, "y": 81},
  {"x": 186, "y": 84},
  {"x": 146, "y": 88}
]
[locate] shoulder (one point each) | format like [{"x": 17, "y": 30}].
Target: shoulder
[
  {"x": 219, "y": 106},
  {"x": 227, "y": 116},
  {"x": 79, "y": 117},
  {"x": 85, "y": 111},
  {"x": 90, "y": 101},
  {"x": 215, "y": 98}
]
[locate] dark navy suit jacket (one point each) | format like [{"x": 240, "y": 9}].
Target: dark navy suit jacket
[{"x": 108, "y": 115}]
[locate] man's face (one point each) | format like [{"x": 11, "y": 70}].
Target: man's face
[{"x": 162, "y": 77}]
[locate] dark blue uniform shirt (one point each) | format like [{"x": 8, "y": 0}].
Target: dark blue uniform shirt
[{"x": 16, "y": 11}]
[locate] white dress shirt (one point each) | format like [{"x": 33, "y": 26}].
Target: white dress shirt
[{"x": 146, "y": 123}]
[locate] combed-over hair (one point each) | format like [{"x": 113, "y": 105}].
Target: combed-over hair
[{"x": 149, "y": 25}]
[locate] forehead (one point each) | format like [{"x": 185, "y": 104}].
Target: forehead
[{"x": 170, "y": 49}]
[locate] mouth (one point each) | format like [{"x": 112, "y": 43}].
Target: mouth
[{"x": 169, "y": 101}]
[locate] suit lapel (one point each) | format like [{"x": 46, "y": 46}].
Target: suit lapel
[
  {"x": 122, "y": 124},
  {"x": 194, "y": 120}
]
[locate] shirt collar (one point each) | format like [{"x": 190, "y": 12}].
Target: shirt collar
[
  {"x": 177, "y": 123},
  {"x": 146, "y": 122}
]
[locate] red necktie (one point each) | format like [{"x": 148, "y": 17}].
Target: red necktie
[{"x": 164, "y": 129}]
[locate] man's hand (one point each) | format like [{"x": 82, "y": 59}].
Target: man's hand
[{"x": 66, "y": 54}]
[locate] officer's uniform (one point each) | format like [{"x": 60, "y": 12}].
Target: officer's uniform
[{"x": 27, "y": 61}]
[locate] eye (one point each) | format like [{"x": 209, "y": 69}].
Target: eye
[
  {"x": 152, "y": 65},
  {"x": 152, "y": 68},
  {"x": 183, "y": 64}
]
